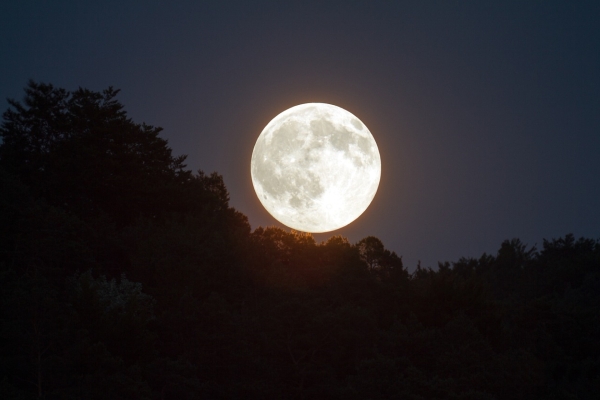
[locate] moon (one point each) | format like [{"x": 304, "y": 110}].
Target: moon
[{"x": 315, "y": 167}]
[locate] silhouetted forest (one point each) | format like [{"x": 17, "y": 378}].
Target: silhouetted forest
[{"x": 126, "y": 276}]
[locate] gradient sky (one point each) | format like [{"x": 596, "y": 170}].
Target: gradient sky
[{"x": 486, "y": 114}]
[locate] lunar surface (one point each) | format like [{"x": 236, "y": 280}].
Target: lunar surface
[{"x": 315, "y": 167}]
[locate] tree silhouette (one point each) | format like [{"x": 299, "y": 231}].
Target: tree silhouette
[
  {"x": 124, "y": 276},
  {"x": 81, "y": 152}
]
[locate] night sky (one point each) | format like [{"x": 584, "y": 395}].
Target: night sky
[{"x": 486, "y": 114}]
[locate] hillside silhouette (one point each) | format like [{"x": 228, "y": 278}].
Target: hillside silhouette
[{"x": 126, "y": 276}]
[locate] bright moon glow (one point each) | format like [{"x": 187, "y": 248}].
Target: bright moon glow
[{"x": 315, "y": 167}]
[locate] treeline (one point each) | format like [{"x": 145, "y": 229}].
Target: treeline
[{"x": 126, "y": 276}]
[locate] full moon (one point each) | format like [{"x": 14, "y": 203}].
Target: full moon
[{"x": 315, "y": 167}]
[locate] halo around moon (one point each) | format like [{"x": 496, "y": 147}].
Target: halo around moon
[{"x": 315, "y": 167}]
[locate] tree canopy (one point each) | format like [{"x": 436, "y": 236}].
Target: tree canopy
[{"x": 125, "y": 275}]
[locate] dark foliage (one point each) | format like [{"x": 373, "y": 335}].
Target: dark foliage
[{"x": 125, "y": 276}]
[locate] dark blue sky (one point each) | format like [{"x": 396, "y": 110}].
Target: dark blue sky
[{"x": 487, "y": 114}]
